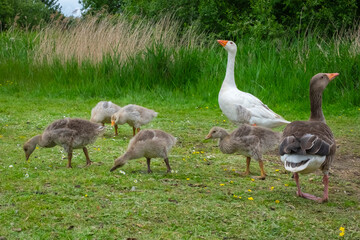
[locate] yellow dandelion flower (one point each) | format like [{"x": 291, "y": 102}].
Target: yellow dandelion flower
[
  {"x": 252, "y": 179},
  {"x": 277, "y": 170},
  {"x": 202, "y": 152},
  {"x": 342, "y": 229},
  {"x": 197, "y": 152},
  {"x": 233, "y": 170},
  {"x": 235, "y": 196},
  {"x": 98, "y": 149},
  {"x": 224, "y": 120},
  {"x": 249, "y": 190},
  {"x": 205, "y": 159},
  {"x": 341, "y": 234},
  {"x": 225, "y": 169},
  {"x": 251, "y": 198},
  {"x": 85, "y": 195},
  {"x": 184, "y": 159},
  {"x": 221, "y": 184},
  {"x": 239, "y": 197},
  {"x": 37, "y": 148},
  {"x": 286, "y": 185},
  {"x": 272, "y": 188},
  {"x": 231, "y": 181},
  {"x": 277, "y": 201},
  {"x": 187, "y": 179},
  {"x": 206, "y": 107}
]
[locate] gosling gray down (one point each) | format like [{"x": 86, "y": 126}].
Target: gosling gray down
[
  {"x": 102, "y": 113},
  {"x": 68, "y": 133},
  {"x": 134, "y": 115},
  {"x": 250, "y": 141},
  {"x": 149, "y": 144}
]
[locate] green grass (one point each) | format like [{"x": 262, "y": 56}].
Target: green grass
[{"x": 190, "y": 203}]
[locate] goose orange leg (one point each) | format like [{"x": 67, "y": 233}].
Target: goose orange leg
[
  {"x": 134, "y": 131},
  {"x": 116, "y": 129},
  {"x": 247, "y": 172},
  {"x": 263, "y": 174}
]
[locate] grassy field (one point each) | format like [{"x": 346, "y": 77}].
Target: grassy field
[
  {"x": 202, "y": 199},
  {"x": 56, "y": 73}
]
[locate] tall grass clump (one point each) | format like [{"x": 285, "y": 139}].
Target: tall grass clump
[
  {"x": 94, "y": 37},
  {"x": 112, "y": 57}
]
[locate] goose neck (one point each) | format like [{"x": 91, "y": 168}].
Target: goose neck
[
  {"x": 316, "y": 106},
  {"x": 229, "y": 77}
]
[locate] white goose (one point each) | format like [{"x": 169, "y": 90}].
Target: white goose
[{"x": 241, "y": 107}]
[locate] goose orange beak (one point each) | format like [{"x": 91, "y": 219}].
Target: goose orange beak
[
  {"x": 222, "y": 42},
  {"x": 208, "y": 136},
  {"x": 331, "y": 76},
  {"x": 112, "y": 123}
]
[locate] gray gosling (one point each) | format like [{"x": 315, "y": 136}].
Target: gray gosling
[
  {"x": 68, "y": 133},
  {"x": 250, "y": 141},
  {"x": 149, "y": 144},
  {"x": 102, "y": 113},
  {"x": 134, "y": 115}
]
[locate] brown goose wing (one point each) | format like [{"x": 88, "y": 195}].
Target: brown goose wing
[{"x": 302, "y": 137}]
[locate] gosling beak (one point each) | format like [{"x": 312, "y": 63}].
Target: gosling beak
[
  {"x": 113, "y": 168},
  {"x": 112, "y": 123},
  {"x": 331, "y": 76},
  {"x": 27, "y": 156},
  {"x": 208, "y": 136},
  {"x": 222, "y": 42}
]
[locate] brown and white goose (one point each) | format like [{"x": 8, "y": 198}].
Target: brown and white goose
[
  {"x": 309, "y": 145},
  {"x": 250, "y": 141},
  {"x": 70, "y": 133}
]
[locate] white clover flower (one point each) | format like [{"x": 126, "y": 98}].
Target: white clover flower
[
  {"x": 26, "y": 175},
  {"x": 11, "y": 166},
  {"x": 121, "y": 171}
]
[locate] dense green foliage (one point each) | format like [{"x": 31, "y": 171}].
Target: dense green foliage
[
  {"x": 234, "y": 19},
  {"x": 275, "y": 71},
  {"x": 26, "y": 13}
]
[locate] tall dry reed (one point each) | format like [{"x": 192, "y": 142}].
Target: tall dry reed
[{"x": 94, "y": 37}]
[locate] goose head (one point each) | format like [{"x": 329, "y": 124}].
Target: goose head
[
  {"x": 216, "y": 132},
  {"x": 230, "y": 46},
  {"x": 29, "y": 148},
  {"x": 117, "y": 119},
  {"x": 321, "y": 80}
]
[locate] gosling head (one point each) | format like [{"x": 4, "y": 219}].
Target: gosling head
[
  {"x": 117, "y": 163},
  {"x": 216, "y": 132},
  {"x": 28, "y": 148},
  {"x": 117, "y": 118}
]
